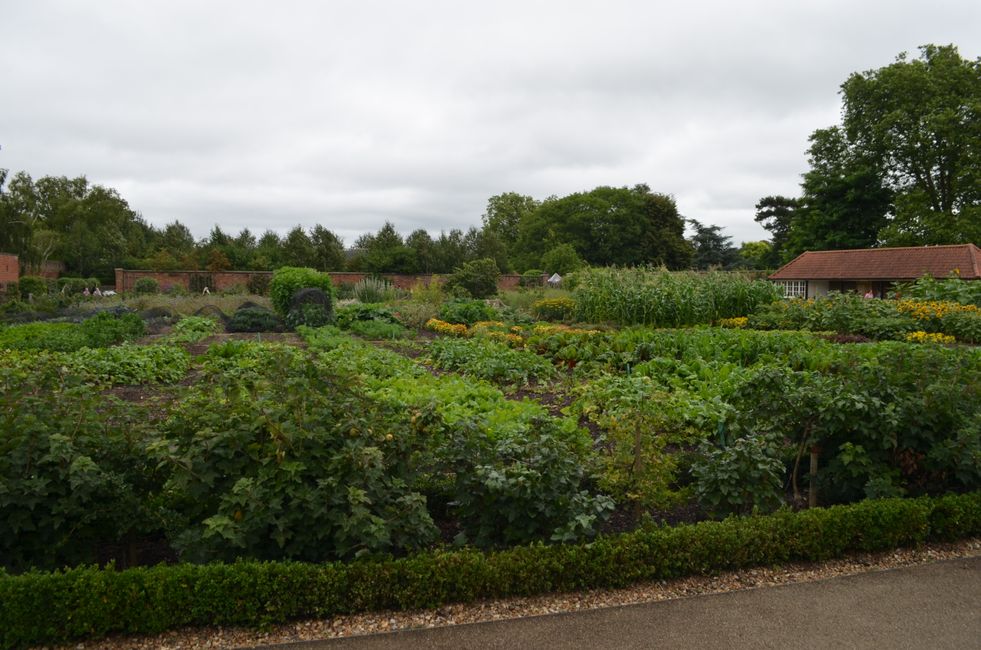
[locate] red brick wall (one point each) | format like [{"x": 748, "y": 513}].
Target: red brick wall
[
  {"x": 9, "y": 270},
  {"x": 125, "y": 279}
]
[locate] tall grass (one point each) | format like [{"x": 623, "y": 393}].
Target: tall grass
[{"x": 662, "y": 298}]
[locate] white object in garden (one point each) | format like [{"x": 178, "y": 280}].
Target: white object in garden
[{"x": 555, "y": 280}]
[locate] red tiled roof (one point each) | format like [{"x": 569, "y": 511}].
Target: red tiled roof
[{"x": 884, "y": 264}]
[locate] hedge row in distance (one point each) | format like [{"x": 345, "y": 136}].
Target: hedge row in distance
[{"x": 45, "y": 608}]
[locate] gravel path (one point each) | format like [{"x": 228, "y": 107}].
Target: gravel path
[{"x": 517, "y": 607}]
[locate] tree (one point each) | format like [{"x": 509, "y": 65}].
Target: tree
[
  {"x": 607, "y": 225},
  {"x": 298, "y": 250},
  {"x": 328, "y": 249},
  {"x": 756, "y": 255},
  {"x": 423, "y": 250},
  {"x": 712, "y": 248},
  {"x": 385, "y": 252},
  {"x": 776, "y": 214},
  {"x": 176, "y": 239},
  {"x": 504, "y": 215},
  {"x": 845, "y": 200},
  {"x": 268, "y": 252},
  {"x": 562, "y": 259}
]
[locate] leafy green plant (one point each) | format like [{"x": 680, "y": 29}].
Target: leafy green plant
[
  {"x": 73, "y": 469},
  {"x": 349, "y": 314},
  {"x": 192, "y": 329},
  {"x": 466, "y": 312},
  {"x": 32, "y": 285},
  {"x": 298, "y": 465},
  {"x": 489, "y": 360},
  {"x": 254, "y": 319},
  {"x": 146, "y": 285},
  {"x": 287, "y": 280},
  {"x": 478, "y": 277},
  {"x": 513, "y": 490},
  {"x": 378, "y": 330},
  {"x": 740, "y": 478}
]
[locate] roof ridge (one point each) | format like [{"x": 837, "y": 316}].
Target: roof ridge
[{"x": 892, "y": 248}]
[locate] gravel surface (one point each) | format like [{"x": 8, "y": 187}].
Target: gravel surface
[{"x": 216, "y": 637}]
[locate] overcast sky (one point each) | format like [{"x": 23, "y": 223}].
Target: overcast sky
[{"x": 273, "y": 114}]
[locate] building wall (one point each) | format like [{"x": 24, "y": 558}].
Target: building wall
[{"x": 125, "y": 279}]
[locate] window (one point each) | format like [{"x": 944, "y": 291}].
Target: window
[{"x": 794, "y": 288}]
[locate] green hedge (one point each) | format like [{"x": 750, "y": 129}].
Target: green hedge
[{"x": 44, "y": 608}]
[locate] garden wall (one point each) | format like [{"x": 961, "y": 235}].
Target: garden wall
[
  {"x": 224, "y": 280},
  {"x": 9, "y": 270}
]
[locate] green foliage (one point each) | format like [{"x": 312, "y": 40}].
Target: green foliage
[
  {"x": 478, "y": 277},
  {"x": 91, "y": 603},
  {"x": 487, "y": 359},
  {"x": 30, "y": 285},
  {"x": 308, "y": 314},
  {"x": 121, "y": 364},
  {"x": 297, "y": 465},
  {"x": 466, "y": 312},
  {"x": 951, "y": 289},
  {"x": 661, "y": 298},
  {"x": 374, "y": 290},
  {"x": 743, "y": 477},
  {"x": 562, "y": 259},
  {"x": 377, "y": 330},
  {"x": 513, "y": 490},
  {"x": 146, "y": 285},
  {"x": 102, "y": 330},
  {"x": 192, "y": 329},
  {"x": 555, "y": 309},
  {"x": 349, "y": 314},
  {"x": 287, "y": 280},
  {"x": 254, "y": 319},
  {"x": 73, "y": 469}
]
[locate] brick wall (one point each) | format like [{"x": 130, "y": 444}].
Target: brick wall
[
  {"x": 9, "y": 270},
  {"x": 126, "y": 278}
]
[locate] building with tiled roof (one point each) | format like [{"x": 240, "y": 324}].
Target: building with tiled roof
[{"x": 815, "y": 273}]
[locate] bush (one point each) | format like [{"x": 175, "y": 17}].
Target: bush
[
  {"x": 467, "y": 312},
  {"x": 350, "y": 314},
  {"x": 32, "y": 285},
  {"x": 146, "y": 285},
  {"x": 51, "y": 608},
  {"x": 377, "y": 330},
  {"x": 254, "y": 319},
  {"x": 741, "y": 478},
  {"x": 286, "y": 281},
  {"x": 479, "y": 278}
]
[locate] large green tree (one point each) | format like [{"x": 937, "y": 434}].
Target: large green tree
[
  {"x": 607, "y": 225},
  {"x": 920, "y": 120}
]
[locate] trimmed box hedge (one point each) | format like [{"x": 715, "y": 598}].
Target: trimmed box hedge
[{"x": 43, "y": 608}]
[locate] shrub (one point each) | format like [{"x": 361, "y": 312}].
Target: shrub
[
  {"x": 146, "y": 285},
  {"x": 467, "y": 312},
  {"x": 478, "y": 277},
  {"x": 744, "y": 477},
  {"x": 254, "y": 319},
  {"x": 31, "y": 285},
  {"x": 52, "y": 608},
  {"x": 286, "y": 281},
  {"x": 310, "y": 307},
  {"x": 372, "y": 289},
  {"x": 430, "y": 293}
]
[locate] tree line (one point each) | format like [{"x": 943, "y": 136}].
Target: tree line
[
  {"x": 903, "y": 168},
  {"x": 92, "y": 230}
]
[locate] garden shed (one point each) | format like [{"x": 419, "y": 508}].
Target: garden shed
[{"x": 874, "y": 270}]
